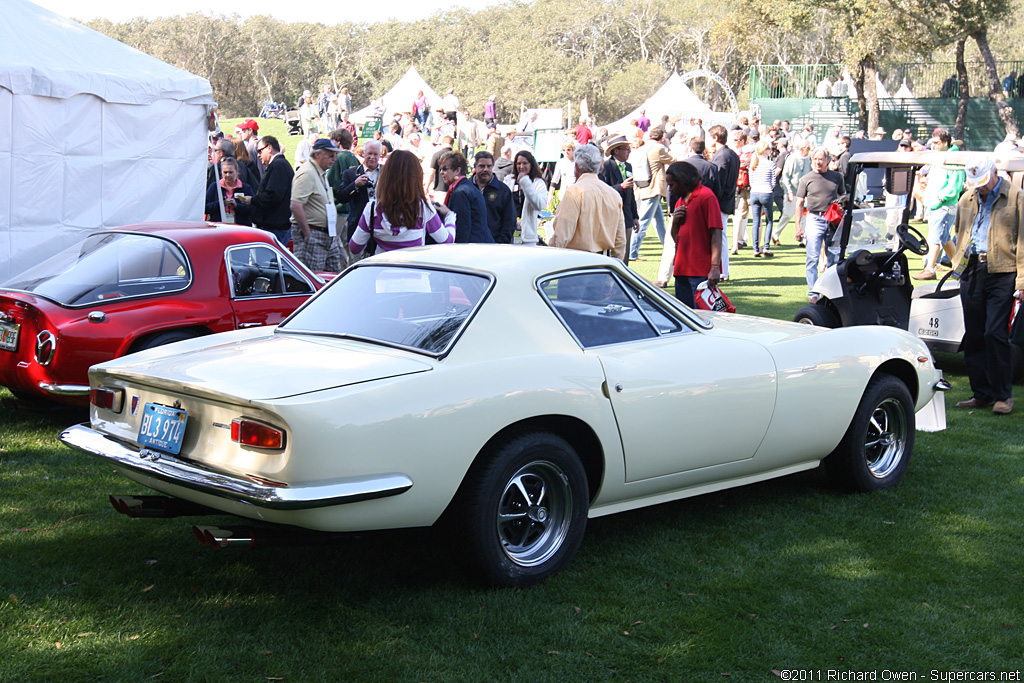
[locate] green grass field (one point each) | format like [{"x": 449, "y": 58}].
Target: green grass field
[{"x": 735, "y": 586}]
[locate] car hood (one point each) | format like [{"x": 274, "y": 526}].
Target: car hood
[
  {"x": 761, "y": 330},
  {"x": 262, "y": 368}
]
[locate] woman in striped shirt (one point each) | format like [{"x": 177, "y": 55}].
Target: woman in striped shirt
[
  {"x": 763, "y": 174},
  {"x": 400, "y": 216}
]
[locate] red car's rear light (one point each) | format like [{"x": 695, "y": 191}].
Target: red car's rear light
[
  {"x": 108, "y": 398},
  {"x": 252, "y": 433}
]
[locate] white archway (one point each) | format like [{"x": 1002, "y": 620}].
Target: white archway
[{"x": 712, "y": 76}]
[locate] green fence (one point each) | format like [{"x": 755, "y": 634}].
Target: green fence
[{"x": 924, "y": 79}]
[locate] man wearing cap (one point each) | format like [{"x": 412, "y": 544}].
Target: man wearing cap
[
  {"x": 879, "y": 134},
  {"x": 990, "y": 260},
  {"x": 249, "y": 132},
  {"x": 617, "y": 173},
  {"x": 314, "y": 218}
]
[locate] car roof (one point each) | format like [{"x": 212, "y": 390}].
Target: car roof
[
  {"x": 181, "y": 230},
  {"x": 1004, "y": 162},
  {"x": 504, "y": 259}
]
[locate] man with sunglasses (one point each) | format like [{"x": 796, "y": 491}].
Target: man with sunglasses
[{"x": 271, "y": 205}]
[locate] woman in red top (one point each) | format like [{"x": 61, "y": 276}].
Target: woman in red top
[{"x": 697, "y": 229}]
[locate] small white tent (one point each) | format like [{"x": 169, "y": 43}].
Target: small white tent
[
  {"x": 674, "y": 98},
  {"x": 400, "y": 98},
  {"x": 93, "y": 134}
]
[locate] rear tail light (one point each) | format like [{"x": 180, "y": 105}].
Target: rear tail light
[
  {"x": 108, "y": 398},
  {"x": 46, "y": 346},
  {"x": 257, "y": 434}
]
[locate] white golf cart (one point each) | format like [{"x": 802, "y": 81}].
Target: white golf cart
[{"x": 870, "y": 285}]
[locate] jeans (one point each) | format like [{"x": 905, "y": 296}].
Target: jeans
[
  {"x": 940, "y": 223},
  {"x": 815, "y": 229},
  {"x": 759, "y": 201},
  {"x": 986, "y": 299},
  {"x": 648, "y": 209},
  {"x": 686, "y": 289},
  {"x": 739, "y": 217}
]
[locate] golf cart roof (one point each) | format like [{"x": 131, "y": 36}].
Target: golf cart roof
[{"x": 1009, "y": 163}]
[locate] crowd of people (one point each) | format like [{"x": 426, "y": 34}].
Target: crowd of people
[{"x": 443, "y": 177}]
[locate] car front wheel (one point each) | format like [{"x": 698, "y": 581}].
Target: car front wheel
[
  {"x": 876, "y": 448},
  {"x": 525, "y": 509}
]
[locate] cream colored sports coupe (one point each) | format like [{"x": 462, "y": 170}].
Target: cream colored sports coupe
[{"x": 508, "y": 391}]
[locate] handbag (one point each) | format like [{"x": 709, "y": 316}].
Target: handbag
[
  {"x": 712, "y": 299},
  {"x": 834, "y": 214}
]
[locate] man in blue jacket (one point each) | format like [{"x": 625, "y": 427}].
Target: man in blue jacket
[
  {"x": 501, "y": 209},
  {"x": 466, "y": 200}
]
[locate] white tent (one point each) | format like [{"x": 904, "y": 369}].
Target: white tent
[
  {"x": 93, "y": 134},
  {"x": 674, "y": 98},
  {"x": 400, "y": 98},
  {"x": 904, "y": 93}
]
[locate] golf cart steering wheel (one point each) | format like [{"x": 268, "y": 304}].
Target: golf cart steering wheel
[{"x": 912, "y": 239}]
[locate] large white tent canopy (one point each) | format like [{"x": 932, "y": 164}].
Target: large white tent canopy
[
  {"x": 673, "y": 99},
  {"x": 93, "y": 134},
  {"x": 399, "y": 98}
]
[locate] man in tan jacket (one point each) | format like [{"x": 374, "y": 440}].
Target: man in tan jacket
[
  {"x": 990, "y": 258},
  {"x": 648, "y": 199},
  {"x": 589, "y": 217}
]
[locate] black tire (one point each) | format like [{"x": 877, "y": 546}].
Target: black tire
[
  {"x": 817, "y": 315},
  {"x": 876, "y": 448},
  {"x": 163, "y": 338},
  {"x": 524, "y": 509}
]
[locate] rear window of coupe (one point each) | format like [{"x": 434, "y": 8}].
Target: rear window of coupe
[
  {"x": 108, "y": 266},
  {"x": 418, "y": 308}
]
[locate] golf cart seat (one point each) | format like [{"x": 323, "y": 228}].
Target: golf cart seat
[{"x": 939, "y": 290}]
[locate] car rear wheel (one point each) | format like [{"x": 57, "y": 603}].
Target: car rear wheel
[
  {"x": 164, "y": 338},
  {"x": 876, "y": 448},
  {"x": 817, "y": 315},
  {"x": 525, "y": 509}
]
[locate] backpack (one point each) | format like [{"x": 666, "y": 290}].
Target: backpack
[
  {"x": 743, "y": 179},
  {"x": 641, "y": 167}
]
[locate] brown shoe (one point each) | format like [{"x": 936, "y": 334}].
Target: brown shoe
[
  {"x": 924, "y": 275},
  {"x": 973, "y": 403},
  {"x": 1003, "y": 407}
]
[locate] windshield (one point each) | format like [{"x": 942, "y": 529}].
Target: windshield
[
  {"x": 109, "y": 265},
  {"x": 418, "y": 308}
]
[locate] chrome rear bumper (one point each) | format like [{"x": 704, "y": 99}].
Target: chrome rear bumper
[
  {"x": 238, "y": 488},
  {"x": 65, "y": 389}
]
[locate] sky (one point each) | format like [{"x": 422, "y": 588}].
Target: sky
[{"x": 329, "y": 13}]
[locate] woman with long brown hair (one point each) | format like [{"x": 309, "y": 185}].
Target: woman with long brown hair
[
  {"x": 400, "y": 215},
  {"x": 531, "y": 193}
]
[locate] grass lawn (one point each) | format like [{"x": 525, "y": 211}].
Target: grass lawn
[{"x": 788, "y": 574}]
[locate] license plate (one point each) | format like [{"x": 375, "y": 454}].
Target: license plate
[
  {"x": 9, "y": 333},
  {"x": 162, "y": 428}
]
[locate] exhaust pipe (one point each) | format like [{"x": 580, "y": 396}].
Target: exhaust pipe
[
  {"x": 253, "y": 538},
  {"x": 158, "y": 507}
]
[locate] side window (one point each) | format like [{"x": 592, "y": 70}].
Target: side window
[
  {"x": 598, "y": 310},
  {"x": 262, "y": 271}
]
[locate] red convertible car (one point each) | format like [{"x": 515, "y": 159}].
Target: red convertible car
[{"x": 121, "y": 291}]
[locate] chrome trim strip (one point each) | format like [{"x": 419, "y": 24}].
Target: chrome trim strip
[
  {"x": 65, "y": 389},
  {"x": 233, "y": 487}
]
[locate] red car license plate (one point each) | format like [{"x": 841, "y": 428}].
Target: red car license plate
[
  {"x": 9, "y": 333},
  {"x": 162, "y": 428}
]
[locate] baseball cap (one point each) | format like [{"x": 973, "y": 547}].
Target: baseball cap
[
  {"x": 979, "y": 171},
  {"x": 250, "y": 125},
  {"x": 326, "y": 145}
]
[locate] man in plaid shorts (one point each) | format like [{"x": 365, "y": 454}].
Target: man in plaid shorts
[{"x": 314, "y": 216}]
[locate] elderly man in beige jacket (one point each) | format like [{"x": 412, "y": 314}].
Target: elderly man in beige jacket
[{"x": 589, "y": 217}]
